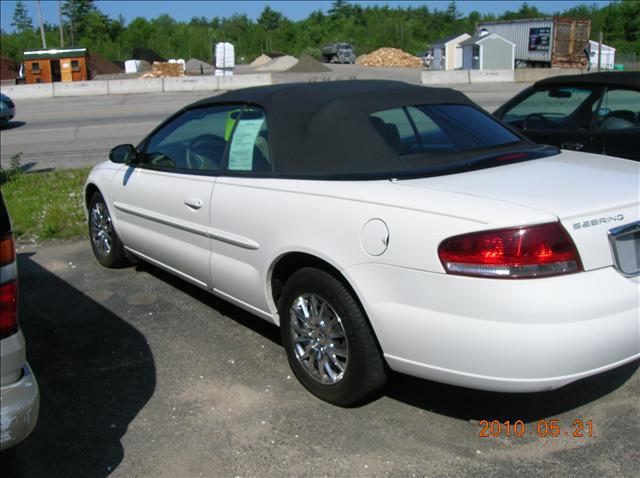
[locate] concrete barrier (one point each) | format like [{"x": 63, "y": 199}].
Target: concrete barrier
[
  {"x": 81, "y": 88},
  {"x": 19, "y": 92},
  {"x": 191, "y": 83},
  {"x": 444, "y": 77},
  {"x": 491, "y": 76},
  {"x": 146, "y": 85},
  {"x": 243, "y": 81},
  {"x": 531, "y": 75},
  {"x": 127, "y": 87},
  {"x": 528, "y": 75}
]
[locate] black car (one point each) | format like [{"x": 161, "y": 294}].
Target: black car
[{"x": 595, "y": 113}]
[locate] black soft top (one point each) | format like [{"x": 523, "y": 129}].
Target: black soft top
[
  {"x": 323, "y": 128},
  {"x": 627, "y": 79}
]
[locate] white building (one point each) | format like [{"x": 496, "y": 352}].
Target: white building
[
  {"x": 606, "y": 61},
  {"x": 488, "y": 51},
  {"x": 447, "y": 52}
]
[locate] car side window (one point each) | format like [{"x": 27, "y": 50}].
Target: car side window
[
  {"x": 553, "y": 108},
  {"x": 249, "y": 144},
  {"x": 395, "y": 127},
  {"x": 619, "y": 109},
  {"x": 409, "y": 130},
  {"x": 196, "y": 140},
  {"x": 435, "y": 129}
]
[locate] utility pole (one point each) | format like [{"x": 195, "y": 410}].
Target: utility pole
[
  {"x": 599, "y": 51},
  {"x": 44, "y": 40},
  {"x": 61, "y": 26}
]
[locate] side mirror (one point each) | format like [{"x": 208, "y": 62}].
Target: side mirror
[{"x": 125, "y": 153}]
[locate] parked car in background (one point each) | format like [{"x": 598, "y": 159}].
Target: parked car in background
[
  {"x": 426, "y": 58},
  {"x": 595, "y": 113},
  {"x": 382, "y": 224},
  {"x": 19, "y": 395},
  {"x": 7, "y": 109}
]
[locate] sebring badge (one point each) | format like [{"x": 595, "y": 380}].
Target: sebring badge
[{"x": 600, "y": 220}]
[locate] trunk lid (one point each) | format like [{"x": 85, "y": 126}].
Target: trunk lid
[{"x": 590, "y": 194}]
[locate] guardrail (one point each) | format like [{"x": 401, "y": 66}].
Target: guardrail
[{"x": 127, "y": 87}]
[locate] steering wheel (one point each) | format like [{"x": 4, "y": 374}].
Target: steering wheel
[
  {"x": 525, "y": 124},
  {"x": 205, "y": 152}
]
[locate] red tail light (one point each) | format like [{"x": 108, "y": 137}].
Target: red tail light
[
  {"x": 8, "y": 308},
  {"x": 526, "y": 252}
]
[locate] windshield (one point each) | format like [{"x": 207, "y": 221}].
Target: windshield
[{"x": 549, "y": 108}]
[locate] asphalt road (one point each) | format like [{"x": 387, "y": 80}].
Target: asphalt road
[
  {"x": 142, "y": 374},
  {"x": 80, "y": 131},
  {"x": 76, "y": 132}
]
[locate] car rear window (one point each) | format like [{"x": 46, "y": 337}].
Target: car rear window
[{"x": 440, "y": 129}]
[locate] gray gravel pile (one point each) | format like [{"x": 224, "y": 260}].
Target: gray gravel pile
[
  {"x": 282, "y": 63},
  {"x": 308, "y": 64},
  {"x": 194, "y": 65}
]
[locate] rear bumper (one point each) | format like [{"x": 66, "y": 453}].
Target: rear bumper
[
  {"x": 502, "y": 335},
  {"x": 20, "y": 405}
]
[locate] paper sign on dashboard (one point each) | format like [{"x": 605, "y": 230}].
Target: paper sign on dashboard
[{"x": 242, "y": 144}]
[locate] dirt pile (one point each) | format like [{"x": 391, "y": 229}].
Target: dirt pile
[
  {"x": 146, "y": 54},
  {"x": 8, "y": 68},
  {"x": 164, "y": 70},
  {"x": 389, "y": 57},
  {"x": 308, "y": 64},
  {"x": 99, "y": 65}
]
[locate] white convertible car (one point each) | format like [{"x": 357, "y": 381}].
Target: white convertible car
[{"x": 386, "y": 226}]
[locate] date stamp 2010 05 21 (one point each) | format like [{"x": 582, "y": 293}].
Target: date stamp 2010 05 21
[{"x": 542, "y": 429}]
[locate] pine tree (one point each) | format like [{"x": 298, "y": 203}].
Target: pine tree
[
  {"x": 77, "y": 12},
  {"x": 21, "y": 19},
  {"x": 270, "y": 19},
  {"x": 338, "y": 8},
  {"x": 452, "y": 13}
]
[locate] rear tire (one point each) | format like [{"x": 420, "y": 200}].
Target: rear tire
[
  {"x": 330, "y": 346},
  {"x": 105, "y": 243}
]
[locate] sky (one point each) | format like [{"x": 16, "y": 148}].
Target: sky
[{"x": 294, "y": 10}]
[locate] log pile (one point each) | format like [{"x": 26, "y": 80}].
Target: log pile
[
  {"x": 389, "y": 57},
  {"x": 164, "y": 70}
]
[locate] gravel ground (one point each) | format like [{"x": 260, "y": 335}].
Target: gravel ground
[{"x": 144, "y": 375}]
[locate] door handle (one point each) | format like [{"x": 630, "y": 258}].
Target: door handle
[
  {"x": 572, "y": 146},
  {"x": 193, "y": 203}
]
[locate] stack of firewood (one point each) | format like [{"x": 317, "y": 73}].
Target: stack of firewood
[{"x": 164, "y": 70}]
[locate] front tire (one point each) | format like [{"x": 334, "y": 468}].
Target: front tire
[
  {"x": 105, "y": 243},
  {"x": 330, "y": 346}
]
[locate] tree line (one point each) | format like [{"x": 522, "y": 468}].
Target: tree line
[{"x": 367, "y": 28}]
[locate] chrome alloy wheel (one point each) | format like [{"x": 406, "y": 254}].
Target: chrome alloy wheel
[
  {"x": 319, "y": 339},
  {"x": 101, "y": 228}
]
